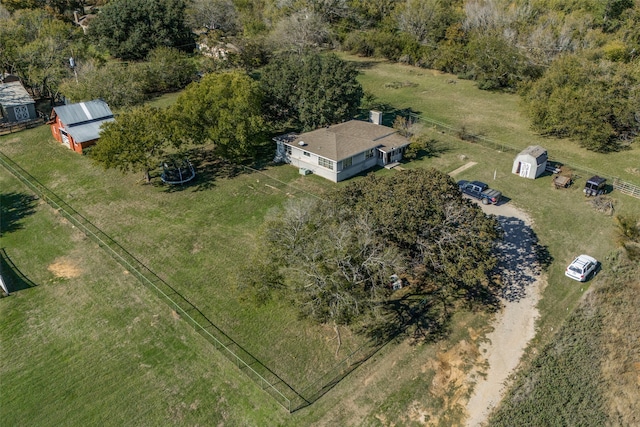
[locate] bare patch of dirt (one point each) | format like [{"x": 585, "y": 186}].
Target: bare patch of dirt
[
  {"x": 462, "y": 168},
  {"x": 65, "y": 268},
  {"x": 449, "y": 384}
]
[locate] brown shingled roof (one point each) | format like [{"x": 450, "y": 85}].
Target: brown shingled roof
[{"x": 346, "y": 139}]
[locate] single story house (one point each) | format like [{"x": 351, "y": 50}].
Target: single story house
[
  {"x": 77, "y": 126},
  {"x": 341, "y": 151},
  {"x": 16, "y": 105},
  {"x": 530, "y": 162}
]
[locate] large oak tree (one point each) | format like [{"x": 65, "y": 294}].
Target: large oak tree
[
  {"x": 134, "y": 142},
  {"x": 130, "y": 29},
  {"x": 311, "y": 90},
  {"x": 334, "y": 258},
  {"x": 223, "y": 109}
]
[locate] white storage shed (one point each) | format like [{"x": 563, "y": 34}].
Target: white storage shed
[{"x": 530, "y": 162}]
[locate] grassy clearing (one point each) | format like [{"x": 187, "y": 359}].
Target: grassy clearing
[
  {"x": 170, "y": 355},
  {"x": 197, "y": 239},
  {"x": 89, "y": 346},
  {"x": 497, "y": 116}
]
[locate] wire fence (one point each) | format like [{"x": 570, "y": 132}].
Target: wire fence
[
  {"x": 618, "y": 184},
  {"x": 247, "y": 363},
  {"x": 269, "y": 381}
]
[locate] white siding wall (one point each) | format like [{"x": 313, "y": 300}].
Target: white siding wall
[
  {"x": 360, "y": 163},
  {"x": 300, "y": 160}
]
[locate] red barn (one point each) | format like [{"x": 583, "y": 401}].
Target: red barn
[{"x": 77, "y": 126}]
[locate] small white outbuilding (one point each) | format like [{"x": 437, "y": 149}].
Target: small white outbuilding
[{"x": 530, "y": 162}]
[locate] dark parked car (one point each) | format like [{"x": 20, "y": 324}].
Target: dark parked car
[
  {"x": 595, "y": 186},
  {"x": 480, "y": 191}
]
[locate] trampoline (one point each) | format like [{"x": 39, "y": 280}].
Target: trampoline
[{"x": 177, "y": 172}]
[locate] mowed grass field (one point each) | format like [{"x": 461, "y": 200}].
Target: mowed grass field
[
  {"x": 88, "y": 345},
  {"x": 493, "y": 115},
  {"x": 198, "y": 238}
]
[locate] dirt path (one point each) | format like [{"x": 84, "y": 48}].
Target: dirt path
[
  {"x": 462, "y": 168},
  {"x": 514, "y": 326}
]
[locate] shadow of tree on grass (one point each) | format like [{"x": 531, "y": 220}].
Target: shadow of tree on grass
[
  {"x": 13, "y": 208},
  {"x": 209, "y": 169}
]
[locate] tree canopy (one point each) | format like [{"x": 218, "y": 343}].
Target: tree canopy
[
  {"x": 310, "y": 91},
  {"x": 501, "y": 44},
  {"x": 130, "y": 29},
  {"x": 134, "y": 142},
  {"x": 36, "y": 46},
  {"x": 127, "y": 84},
  {"x": 120, "y": 85},
  {"x": 598, "y": 104},
  {"x": 56, "y": 7},
  {"x": 334, "y": 258},
  {"x": 213, "y": 15},
  {"x": 223, "y": 109}
]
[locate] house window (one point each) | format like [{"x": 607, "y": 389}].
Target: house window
[
  {"x": 288, "y": 149},
  {"x": 325, "y": 163},
  {"x": 368, "y": 154},
  {"x": 346, "y": 163},
  {"x": 306, "y": 153}
]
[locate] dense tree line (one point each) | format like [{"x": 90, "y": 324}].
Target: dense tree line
[
  {"x": 508, "y": 45},
  {"x": 124, "y": 84},
  {"x": 231, "y": 110}
]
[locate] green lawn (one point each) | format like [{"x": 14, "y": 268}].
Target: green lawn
[
  {"x": 89, "y": 346},
  {"x": 64, "y": 332},
  {"x": 496, "y": 116},
  {"x": 196, "y": 239}
]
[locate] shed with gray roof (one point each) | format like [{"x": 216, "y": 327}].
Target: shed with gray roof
[
  {"x": 77, "y": 126},
  {"x": 16, "y": 105},
  {"x": 530, "y": 162}
]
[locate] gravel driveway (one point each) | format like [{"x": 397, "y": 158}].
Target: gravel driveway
[{"x": 514, "y": 325}]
